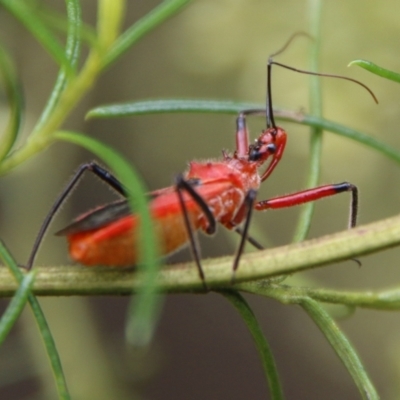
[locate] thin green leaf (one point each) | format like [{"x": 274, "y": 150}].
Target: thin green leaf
[
  {"x": 262, "y": 345},
  {"x": 342, "y": 347},
  {"x": 15, "y": 101},
  {"x": 375, "y": 69},
  {"x": 27, "y": 16},
  {"x": 148, "y": 23},
  {"x": 16, "y": 305},
  {"x": 170, "y": 106},
  {"x": 147, "y": 303},
  {"x": 73, "y": 43},
  {"x": 72, "y": 51},
  {"x": 42, "y": 325},
  {"x": 231, "y": 107}
]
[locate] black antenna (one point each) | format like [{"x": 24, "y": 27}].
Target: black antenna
[
  {"x": 269, "y": 111},
  {"x": 301, "y": 71}
]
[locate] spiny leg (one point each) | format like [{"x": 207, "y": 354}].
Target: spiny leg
[
  {"x": 182, "y": 184},
  {"x": 100, "y": 172}
]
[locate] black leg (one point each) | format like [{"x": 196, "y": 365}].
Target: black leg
[
  {"x": 99, "y": 171},
  {"x": 250, "y": 239},
  {"x": 249, "y": 202},
  {"x": 182, "y": 184}
]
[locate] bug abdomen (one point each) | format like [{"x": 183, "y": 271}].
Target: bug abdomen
[{"x": 116, "y": 244}]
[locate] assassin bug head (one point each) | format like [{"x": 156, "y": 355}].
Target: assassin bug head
[
  {"x": 272, "y": 141},
  {"x": 269, "y": 145}
]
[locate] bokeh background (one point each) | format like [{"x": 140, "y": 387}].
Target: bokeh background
[{"x": 214, "y": 49}]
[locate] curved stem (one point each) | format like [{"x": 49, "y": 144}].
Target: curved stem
[
  {"x": 342, "y": 348},
  {"x": 387, "y": 299},
  {"x": 261, "y": 343},
  {"x": 73, "y": 280}
]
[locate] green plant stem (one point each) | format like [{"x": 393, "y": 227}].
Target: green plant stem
[
  {"x": 148, "y": 23},
  {"x": 109, "y": 19},
  {"x": 75, "y": 280},
  {"x": 16, "y": 276},
  {"x": 41, "y": 139},
  {"x": 14, "y": 95},
  {"x": 304, "y": 221},
  {"x": 42, "y": 136},
  {"x": 16, "y": 305},
  {"x": 342, "y": 347},
  {"x": 387, "y": 299},
  {"x": 72, "y": 50},
  {"x": 25, "y": 13},
  {"x": 261, "y": 343},
  {"x": 147, "y": 107}
]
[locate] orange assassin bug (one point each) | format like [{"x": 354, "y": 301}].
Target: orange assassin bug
[{"x": 208, "y": 192}]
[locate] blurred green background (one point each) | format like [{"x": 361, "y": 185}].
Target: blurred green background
[{"x": 214, "y": 49}]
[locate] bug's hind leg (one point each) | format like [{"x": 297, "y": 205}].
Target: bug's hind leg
[{"x": 97, "y": 170}]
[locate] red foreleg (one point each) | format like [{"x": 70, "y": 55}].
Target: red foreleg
[{"x": 317, "y": 193}]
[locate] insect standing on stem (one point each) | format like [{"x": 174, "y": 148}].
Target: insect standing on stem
[{"x": 208, "y": 192}]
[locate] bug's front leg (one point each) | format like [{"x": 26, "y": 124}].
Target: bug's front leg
[{"x": 320, "y": 192}]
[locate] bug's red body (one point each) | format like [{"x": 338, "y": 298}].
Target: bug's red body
[
  {"x": 109, "y": 235},
  {"x": 222, "y": 184}
]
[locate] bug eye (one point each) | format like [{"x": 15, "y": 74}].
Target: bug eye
[
  {"x": 260, "y": 150},
  {"x": 254, "y": 153}
]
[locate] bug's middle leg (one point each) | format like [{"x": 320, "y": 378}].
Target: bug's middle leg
[{"x": 184, "y": 185}]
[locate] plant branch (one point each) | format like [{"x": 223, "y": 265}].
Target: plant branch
[{"x": 76, "y": 280}]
